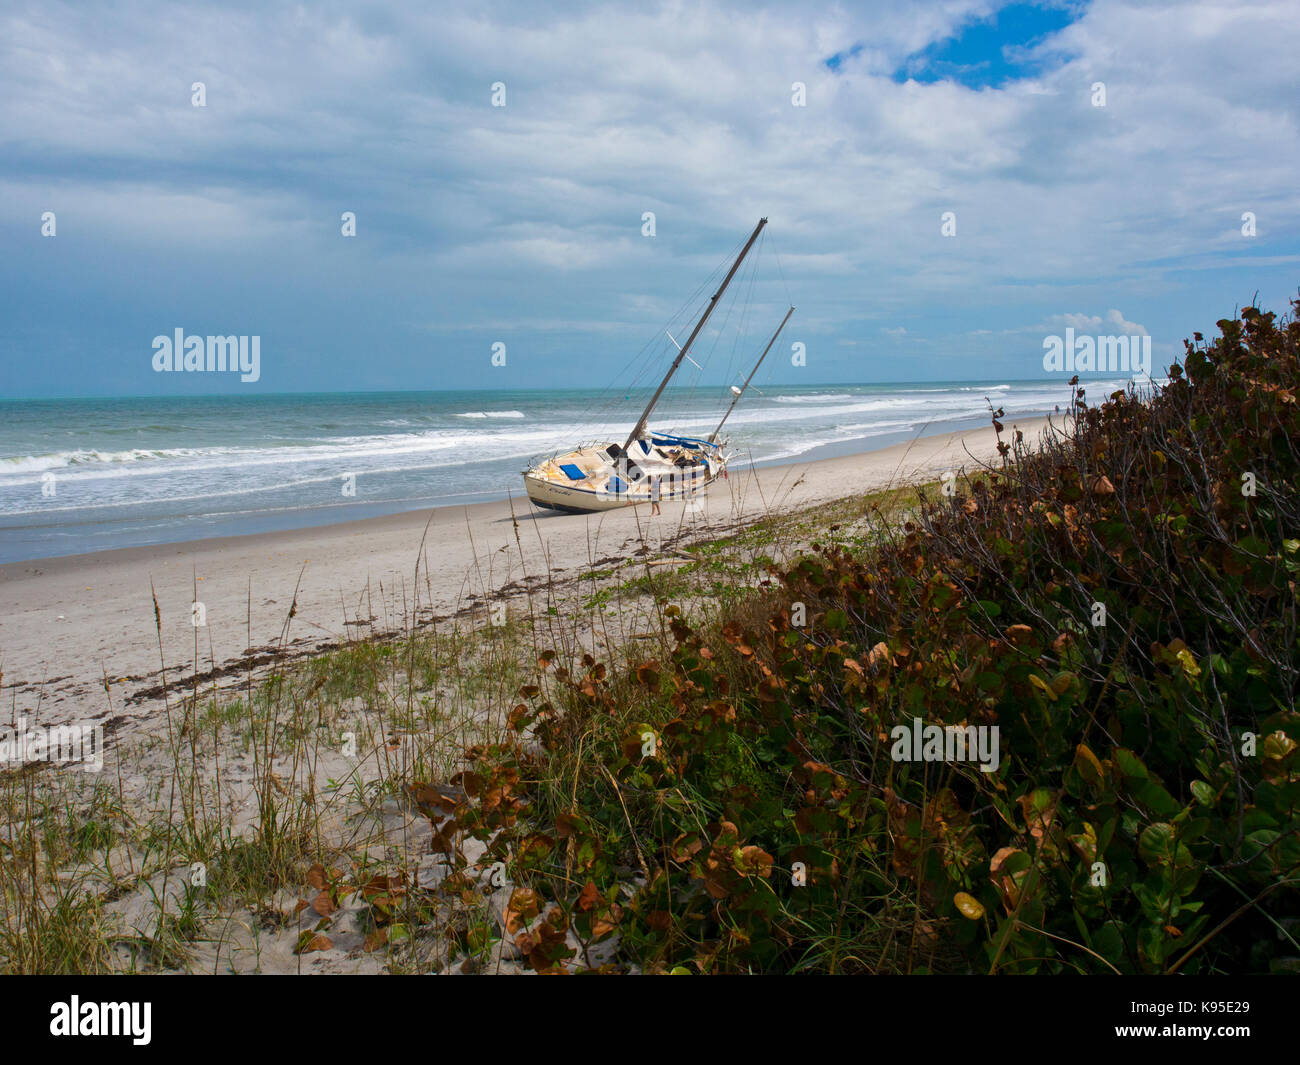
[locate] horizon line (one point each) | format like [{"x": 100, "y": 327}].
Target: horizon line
[{"x": 1093, "y": 376}]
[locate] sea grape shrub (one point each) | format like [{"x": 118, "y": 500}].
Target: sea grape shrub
[
  {"x": 1119, "y": 602},
  {"x": 1125, "y": 821}
]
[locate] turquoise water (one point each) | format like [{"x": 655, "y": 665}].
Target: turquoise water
[{"x": 88, "y": 474}]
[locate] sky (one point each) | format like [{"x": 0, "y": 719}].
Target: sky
[{"x": 523, "y": 224}]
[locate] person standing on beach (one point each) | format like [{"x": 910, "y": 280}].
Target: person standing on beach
[{"x": 654, "y": 497}]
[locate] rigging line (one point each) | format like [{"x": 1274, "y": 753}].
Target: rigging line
[
  {"x": 700, "y": 305},
  {"x": 746, "y": 285},
  {"x": 736, "y": 302},
  {"x": 742, "y": 331},
  {"x": 611, "y": 389},
  {"x": 609, "y": 394},
  {"x": 777, "y": 255},
  {"x": 607, "y": 399}
]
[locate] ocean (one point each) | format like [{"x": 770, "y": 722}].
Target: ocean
[{"x": 89, "y": 474}]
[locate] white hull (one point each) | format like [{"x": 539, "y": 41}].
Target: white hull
[
  {"x": 557, "y": 497},
  {"x": 549, "y": 495},
  {"x": 588, "y": 480}
]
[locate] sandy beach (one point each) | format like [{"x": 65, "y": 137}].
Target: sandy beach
[{"x": 68, "y": 624}]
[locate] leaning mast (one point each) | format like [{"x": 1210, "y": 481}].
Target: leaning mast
[{"x": 681, "y": 354}]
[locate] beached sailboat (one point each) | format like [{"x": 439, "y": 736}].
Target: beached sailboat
[{"x": 646, "y": 465}]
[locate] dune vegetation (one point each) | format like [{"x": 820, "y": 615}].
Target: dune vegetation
[
  {"x": 1119, "y": 602},
  {"x": 691, "y": 763}
]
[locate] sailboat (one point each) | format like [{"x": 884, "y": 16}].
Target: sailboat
[{"x": 647, "y": 465}]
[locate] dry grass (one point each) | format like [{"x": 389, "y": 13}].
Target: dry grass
[{"x": 241, "y": 831}]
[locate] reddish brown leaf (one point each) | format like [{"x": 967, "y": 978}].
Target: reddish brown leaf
[
  {"x": 521, "y": 909},
  {"x": 310, "y": 942}
]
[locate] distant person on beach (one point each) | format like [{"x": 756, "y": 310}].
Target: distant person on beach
[{"x": 654, "y": 497}]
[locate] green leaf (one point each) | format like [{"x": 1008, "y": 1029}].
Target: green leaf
[
  {"x": 1108, "y": 941},
  {"x": 1087, "y": 764},
  {"x": 1258, "y": 842},
  {"x": 1158, "y": 845},
  {"x": 1130, "y": 764},
  {"x": 1156, "y": 842},
  {"x": 1154, "y": 797}
]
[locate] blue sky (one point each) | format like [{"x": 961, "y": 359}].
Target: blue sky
[
  {"x": 523, "y": 224},
  {"x": 989, "y": 50}
]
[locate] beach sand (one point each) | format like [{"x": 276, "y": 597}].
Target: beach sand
[{"x": 68, "y": 623}]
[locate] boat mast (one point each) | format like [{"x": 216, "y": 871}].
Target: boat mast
[
  {"x": 681, "y": 354},
  {"x": 736, "y": 398}
]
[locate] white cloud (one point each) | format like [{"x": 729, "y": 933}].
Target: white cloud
[
  {"x": 686, "y": 111},
  {"x": 534, "y": 210},
  {"x": 1113, "y": 323}
]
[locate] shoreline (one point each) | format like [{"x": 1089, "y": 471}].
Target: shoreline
[
  {"x": 24, "y": 541},
  {"x": 71, "y": 621}
]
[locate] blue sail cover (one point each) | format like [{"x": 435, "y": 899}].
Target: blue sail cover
[
  {"x": 574, "y": 473},
  {"x": 692, "y": 442}
]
